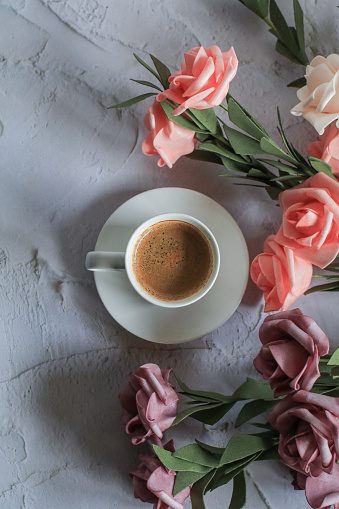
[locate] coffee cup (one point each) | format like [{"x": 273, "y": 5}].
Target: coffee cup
[{"x": 171, "y": 260}]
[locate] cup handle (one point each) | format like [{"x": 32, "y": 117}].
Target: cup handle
[{"x": 105, "y": 261}]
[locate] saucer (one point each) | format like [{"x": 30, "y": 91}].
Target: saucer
[{"x": 179, "y": 325}]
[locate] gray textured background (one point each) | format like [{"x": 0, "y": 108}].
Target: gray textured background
[{"x": 66, "y": 164}]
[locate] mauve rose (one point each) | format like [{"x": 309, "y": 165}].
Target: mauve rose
[
  {"x": 327, "y": 148},
  {"x": 150, "y": 403},
  {"x": 281, "y": 275},
  {"x": 308, "y": 424},
  {"x": 292, "y": 345},
  {"x": 153, "y": 483},
  {"x": 310, "y": 224},
  {"x": 319, "y": 98},
  {"x": 166, "y": 139},
  {"x": 323, "y": 491},
  {"x": 203, "y": 80}
]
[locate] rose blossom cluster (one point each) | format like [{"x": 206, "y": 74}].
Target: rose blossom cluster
[
  {"x": 308, "y": 423},
  {"x": 308, "y": 235},
  {"x": 202, "y": 82},
  {"x": 150, "y": 406}
]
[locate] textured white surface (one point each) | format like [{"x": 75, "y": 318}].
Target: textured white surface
[{"x": 66, "y": 164}]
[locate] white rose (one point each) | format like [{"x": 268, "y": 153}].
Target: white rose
[{"x": 319, "y": 98}]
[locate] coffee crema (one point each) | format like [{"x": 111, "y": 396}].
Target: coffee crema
[{"x": 172, "y": 260}]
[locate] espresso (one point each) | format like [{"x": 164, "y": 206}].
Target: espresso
[{"x": 173, "y": 260}]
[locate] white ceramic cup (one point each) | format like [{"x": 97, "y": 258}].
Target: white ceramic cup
[{"x": 109, "y": 261}]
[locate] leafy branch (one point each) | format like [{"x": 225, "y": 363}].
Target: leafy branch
[{"x": 290, "y": 40}]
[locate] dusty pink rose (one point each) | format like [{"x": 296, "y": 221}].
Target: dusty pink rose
[
  {"x": 280, "y": 274},
  {"x": 166, "y": 139},
  {"x": 308, "y": 424},
  {"x": 323, "y": 491},
  {"x": 292, "y": 345},
  {"x": 153, "y": 483},
  {"x": 150, "y": 403},
  {"x": 327, "y": 148},
  {"x": 310, "y": 223},
  {"x": 203, "y": 80}
]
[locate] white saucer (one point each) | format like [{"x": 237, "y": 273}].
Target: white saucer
[{"x": 162, "y": 325}]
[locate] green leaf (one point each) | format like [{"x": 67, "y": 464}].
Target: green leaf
[
  {"x": 285, "y": 52},
  {"x": 192, "y": 411},
  {"x": 241, "y": 143},
  {"x": 232, "y": 165},
  {"x": 252, "y": 409},
  {"x": 281, "y": 26},
  {"x": 163, "y": 71},
  {"x": 204, "y": 155},
  {"x": 180, "y": 120},
  {"x": 273, "y": 192},
  {"x": 334, "y": 359},
  {"x": 207, "y": 118},
  {"x": 211, "y": 448},
  {"x": 238, "y": 499},
  {"x": 225, "y": 474},
  {"x": 132, "y": 101},
  {"x": 270, "y": 147},
  {"x": 254, "y": 389},
  {"x": 197, "y": 454},
  {"x": 213, "y": 396},
  {"x": 259, "y": 7},
  {"x": 199, "y": 489},
  {"x": 147, "y": 84},
  {"x": 147, "y": 67},
  {"x": 269, "y": 454},
  {"x": 185, "y": 479},
  {"x": 211, "y": 417},
  {"x": 299, "y": 24},
  {"x": 327, "y": 287},
  {"x": 321, "y": 166},
  {"x": 299, "y": 83},
  {"x": 242, "y": 119},
  {"x": 286, "y": 168},
  {"x": 241, "y": 446},
  {"x": 177, "y": 464}
]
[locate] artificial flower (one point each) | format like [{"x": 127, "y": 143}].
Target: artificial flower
[
  {"x": 203, "y": 80},
  {"x": 327, "y": 147},
  {"x": 166, "y": 139},
  {"x": 280, "y": 274},
  {"x": 153, "y": 483},
  {"x": 319, "y": 98},
  {"x": 309, "y": 432},
  {"x": 323, "y": 491},
  {"x": 292, "y": 345},
  {"x": 310, "y": 223},
  {"x": 150, "y": 403}
]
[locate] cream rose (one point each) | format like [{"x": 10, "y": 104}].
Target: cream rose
[{"x": 319, "y": 98}]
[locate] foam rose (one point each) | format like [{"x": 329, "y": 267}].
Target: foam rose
[
  {"x": 166, "y": 139},
  {"x": 309, "y": 432},
  {"x": 281, "y": 275},
  {"x": 150, "y": 403},
  {"x": 292, "y": 345},
  {"x": 319, "y": 98},
  {"x": 327, "y": 148},
  {"x": 203, "y": 80},
  {"x": 323, "y": 491},
  {"x": 310, "y": 223},
  {"x": 153, "y": 483}
]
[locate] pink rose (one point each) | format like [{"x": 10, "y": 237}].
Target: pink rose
[
  {"x": 309, "y": 432},
  {"x": 323, "y": 491},
  {"x": 150, "y": 403},
  {"x": 153, "y": 483},
  {"x": 280, "y": 274},
  {"x": 203, "y": 80},
  {"x": 292, "y": 345},
  {"x": 327, "y": 148},
  {"x": 166, "y": 139},
  {"x": 310, "y": 223}
]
